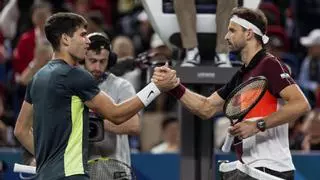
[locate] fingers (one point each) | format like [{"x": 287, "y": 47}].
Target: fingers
[{"x": 234, "y": 130}]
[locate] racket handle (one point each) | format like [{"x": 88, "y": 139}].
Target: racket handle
[
  {"x": 24, "y": 168},
  {"x": 227, "y": 143}
]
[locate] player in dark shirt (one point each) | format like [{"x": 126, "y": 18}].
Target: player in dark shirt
[
  {"x": 265, "y": 129},
  {"x": 57, "y": 101}
]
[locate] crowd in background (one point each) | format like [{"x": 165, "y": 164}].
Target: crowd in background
[{"x": 294, "y": 37}]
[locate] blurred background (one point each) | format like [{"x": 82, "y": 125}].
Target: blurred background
[{"x": 147, "y": 31}]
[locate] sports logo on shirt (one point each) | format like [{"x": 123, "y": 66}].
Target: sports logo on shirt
[{"x": 284, "y": 75}]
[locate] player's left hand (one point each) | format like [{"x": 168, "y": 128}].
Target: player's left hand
[{"x": 244, "y": 129}]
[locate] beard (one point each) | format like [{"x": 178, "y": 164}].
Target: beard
[
  {"x": 235, "y": 48},
  {"x": 96, "y": 74}
]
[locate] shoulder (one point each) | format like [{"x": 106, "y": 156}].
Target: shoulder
[
  {"x": 79, "y": 72},
  {"x": 269, "y": 62},
  {"x": 121, "y": 82}
]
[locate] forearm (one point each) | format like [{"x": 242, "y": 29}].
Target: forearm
[
  {"x": 130, "y": 127},
  {"x": 26, "y": 139},
  {"x": 127, "y": 110},
  {"x": 198, "y": 104},
  {"x": 287, "y": 113}
]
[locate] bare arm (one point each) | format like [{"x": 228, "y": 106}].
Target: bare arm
[
  {"x": 26, "y": 75},
  {"x": 130, "y": 127},
  {"x": 23, "y": 127},
  {"x": 296, "y": 105},
  {"x": 116, "y": 113},
  {"x": 204, "y": 107}
]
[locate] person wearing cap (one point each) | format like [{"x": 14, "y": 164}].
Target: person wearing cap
[
  {"x": 98, "y": 60},
  {"x": 262, "y": 137},
  {"x": 309, "y": 78}
]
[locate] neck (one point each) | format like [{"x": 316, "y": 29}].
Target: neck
[
  {"x": 249, "y": 52},
  {"x": 65, "y": 57},
  {"x": 40, "y": 30}
]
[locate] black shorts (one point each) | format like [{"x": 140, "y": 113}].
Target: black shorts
[
  {"x": 236, "y": 174},
  {"x": 287, "y": 175}
]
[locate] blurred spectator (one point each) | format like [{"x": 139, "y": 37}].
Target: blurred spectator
[
  {"x": 85, "y": 6},
  {"x": 272, "y": 13},
  {"x": 306, "y": 14},
  {"x": 158, "y": 46},
  {"x": 142, "y": 38},
  {"x": 311, "y": 127},
  {"x": 170, "y": 135},
  {"x": 95, "y": 22},
  {"x": 125, "y": 6},
  {"x": 123, "y": 47},
  {"x": 279, "y": 46},
  {"x": 24, "y": 52},
  {"x": 9, "y": 18},
  {"x": 309, "y": 78},
  {"x": 43, "y": 53},
  {"x": 6, "y": 131}
]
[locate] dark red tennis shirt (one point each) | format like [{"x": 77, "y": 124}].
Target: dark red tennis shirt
[
  {"x": 270, "y": 148},
  {"x": 267, "y": 65}
]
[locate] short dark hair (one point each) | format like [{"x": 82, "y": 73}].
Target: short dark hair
[
  {"x": 256, "y": 17},
  {"x": 62, "y": 23},
  {"x": 168, "y": 120}
]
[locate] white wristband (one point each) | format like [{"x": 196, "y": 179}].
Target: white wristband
[{"x": 148, "y": 94}]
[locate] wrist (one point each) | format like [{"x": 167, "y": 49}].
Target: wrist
[
  {"x": 178, "y": 91},
  {"x": 148, "y": 94},
  {"x": 261, "y": 125}
]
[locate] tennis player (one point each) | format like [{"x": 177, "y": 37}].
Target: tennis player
[
  {"x": 98, "y": 61},
  {"x": 265, "y": 128},
  {"x": 58, "y": 98}
]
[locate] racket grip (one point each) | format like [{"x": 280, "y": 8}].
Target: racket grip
[
  {"x": 24, "y": 168},
  {"x": 227, "y": 143}
]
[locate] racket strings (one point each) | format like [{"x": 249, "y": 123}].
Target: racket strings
[
  {"x": 245, "y": 97},
  {"x": 110, "y": 169}
]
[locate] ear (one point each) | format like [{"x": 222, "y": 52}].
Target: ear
[
  {"x": 65, "y": 39},
  {"x": 250, "y": 34}
]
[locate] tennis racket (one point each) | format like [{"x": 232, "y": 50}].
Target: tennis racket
[
  {"x": 112, "y": 169},
  {"x": 25, "y": 172},
  {"x": 240, "y": 101}
]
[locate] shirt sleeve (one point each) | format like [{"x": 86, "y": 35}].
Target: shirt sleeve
[
  {"x": 27, "y": 96},
  {"x": 126, "y": 91},
  {"x": 82, "y": 84},
  {"x": 278, "y": 76},
  {"x": 229, "y": 87}
]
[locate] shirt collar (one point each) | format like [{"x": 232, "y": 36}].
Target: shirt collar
[{"x": 255, "y": 60}]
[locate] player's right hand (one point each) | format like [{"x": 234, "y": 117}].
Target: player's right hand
[{"x": 165, "y": 78}]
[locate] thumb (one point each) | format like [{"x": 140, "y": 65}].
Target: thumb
[{"x": 166, "y": 64}]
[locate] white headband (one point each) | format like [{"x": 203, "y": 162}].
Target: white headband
[{"x": 248, "y": 25}]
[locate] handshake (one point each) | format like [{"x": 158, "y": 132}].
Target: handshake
[{"x": 165, "y": 78}]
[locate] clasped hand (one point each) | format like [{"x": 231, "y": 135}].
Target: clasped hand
[{"x": 165, "y": 78}]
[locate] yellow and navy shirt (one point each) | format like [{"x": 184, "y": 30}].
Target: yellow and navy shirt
[{"x": 60, "y": 119}]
